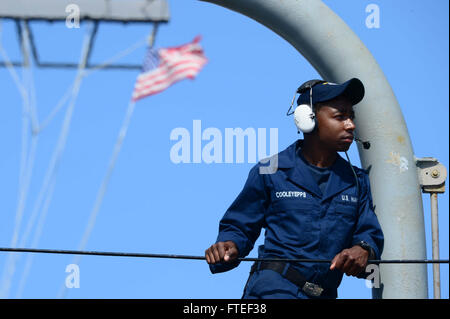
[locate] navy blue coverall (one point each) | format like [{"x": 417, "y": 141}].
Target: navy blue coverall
[{"x": 300, "y": 222}]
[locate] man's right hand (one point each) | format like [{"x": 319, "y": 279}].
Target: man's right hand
[{"x": 221, "y": 252}]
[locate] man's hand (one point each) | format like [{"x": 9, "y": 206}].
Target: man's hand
[
  {"x": 221, "y": 252},
  {"x": 351, "y": 261}
]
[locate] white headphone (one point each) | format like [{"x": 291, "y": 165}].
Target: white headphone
[{"x": 304, "y": 116}]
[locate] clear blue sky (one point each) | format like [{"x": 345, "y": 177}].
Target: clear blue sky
[{"x": 153, "y": 205}]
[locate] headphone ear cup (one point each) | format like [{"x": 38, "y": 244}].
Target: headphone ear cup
[{"x": 304, "y": 118}]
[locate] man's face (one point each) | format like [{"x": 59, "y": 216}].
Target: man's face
[{"x": 335, "y": 124}]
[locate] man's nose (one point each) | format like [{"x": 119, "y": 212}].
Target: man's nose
[{"x": 349, "y": 124}]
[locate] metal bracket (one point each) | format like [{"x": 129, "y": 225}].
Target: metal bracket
[{"x": 432, "y": 175}]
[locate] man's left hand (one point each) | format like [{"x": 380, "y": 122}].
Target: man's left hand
[{"x": 351, "y": 261}]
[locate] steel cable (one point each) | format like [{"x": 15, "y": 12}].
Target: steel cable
[{"x": 173, "y": 256}]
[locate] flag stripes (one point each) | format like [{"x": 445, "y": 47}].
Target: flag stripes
[{"x": 172, "y": 65}]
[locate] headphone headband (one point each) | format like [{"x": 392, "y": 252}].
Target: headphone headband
[
  {"x": 308, "y": 85},
  {"x": 302, "y": 89}
]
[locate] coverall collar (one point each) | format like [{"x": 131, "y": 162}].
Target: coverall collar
[{"x": 341, "y": 176}]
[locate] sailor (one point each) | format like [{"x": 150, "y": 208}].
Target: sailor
[{"x": 316, "y": 205}]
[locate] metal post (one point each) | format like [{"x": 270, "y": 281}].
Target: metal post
[
  {"x": 432, "y": 176},
  {"x": 337, "y": 54},
  {"x": 435, "y": 237}
]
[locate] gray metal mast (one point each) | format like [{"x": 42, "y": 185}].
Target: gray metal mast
[
  {"x": 337, "y": 54},
  {"x": 105, "y": 10},
  {"x": 130, "y": 11}
]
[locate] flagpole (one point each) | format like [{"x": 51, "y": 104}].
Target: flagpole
[{"x": 113, "y": 159}]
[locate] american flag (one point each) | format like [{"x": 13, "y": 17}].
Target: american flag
[{"x": 164, "y": 67}]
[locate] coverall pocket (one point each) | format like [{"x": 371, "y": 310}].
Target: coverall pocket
[
  {"x": 296, "y": 220},
  {"x": 342, "y": 224},
  {"x": 347, "y": 212}
]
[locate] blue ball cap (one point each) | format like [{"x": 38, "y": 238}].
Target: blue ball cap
[{"x": 353, "y": 89}]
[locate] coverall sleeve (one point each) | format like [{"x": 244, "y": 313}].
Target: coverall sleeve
[
  {"x": 368, "y": 228},
  {"x": 243, "y": 220}
]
